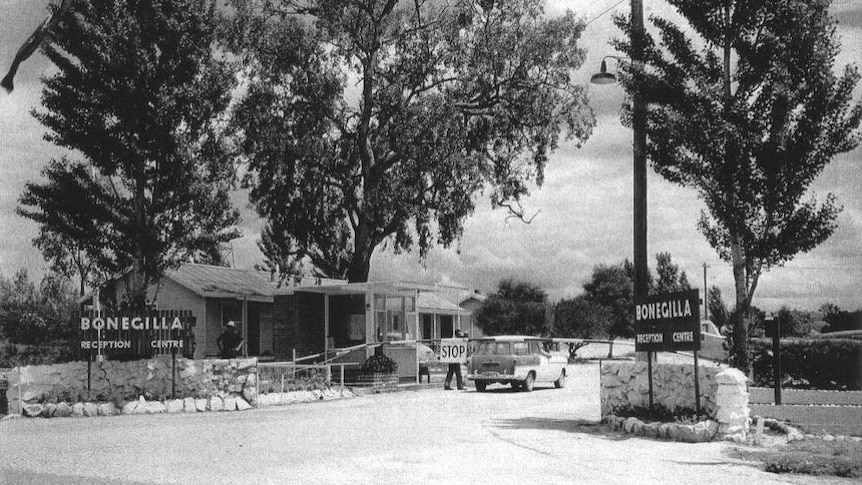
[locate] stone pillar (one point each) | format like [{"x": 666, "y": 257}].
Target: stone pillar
[{"x": 732, "y": 402}]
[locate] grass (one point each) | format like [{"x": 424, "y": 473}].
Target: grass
[{"x": 811, "y": 457}]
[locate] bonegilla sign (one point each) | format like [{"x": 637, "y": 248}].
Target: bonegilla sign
[
  {"x": 668, "y": 322},
  {"x": 136, "y": 335}
]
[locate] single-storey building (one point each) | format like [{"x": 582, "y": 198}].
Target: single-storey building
[{"x": 299, "y": 318}]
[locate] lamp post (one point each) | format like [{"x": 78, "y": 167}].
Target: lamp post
[
  {"x": 639, "y": 233},
  {"x": 639, "y": 192}
]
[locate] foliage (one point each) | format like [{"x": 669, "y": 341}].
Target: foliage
[
  {"x": 611, "y": 287},
  {"x": 451, "y": 99},
  {"x": 36, "y": 315},
  {"x": 821, "y": 363},
  {"x": 581, "y": 318},
  {"x": 14, "y": 355},
  {"x": 138, "y": 92},
  {"x": 610, "y": 291},
  {"x": 793, "y": 323},
  {"x": 841, "y": 320},
  {"x": 670, "y": 279},
  {"x": 718, "y": 312},
  {"x": 746, "y": 109},
  {"x": 379, "y": 364},
  {"x": 810, "y": 457},
  {"x": 517, "y": 308},
  {"x": 660, "y": 414}
]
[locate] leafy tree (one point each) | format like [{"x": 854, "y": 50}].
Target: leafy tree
[
  {"x": 138, "y": 93},
  {"x": 451, "y": 99},
  {"x": 748, "y": 111},
  {"x": 517, "y": 308},
  {"x": 612, "y": 288},
  {"x": 839, "y": 320},
  {"x": 34, "y": 315},
  {"x": 718, "y": 312},
  {"x": 793, "y": 323},
  {"x": 581, "y": 318},
  {"x": 67, "y": 258},
  {"x": 669, "y": 277},
  {"x": 829, "y": 308}
]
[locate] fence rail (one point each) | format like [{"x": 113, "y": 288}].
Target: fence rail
[{"x": 282, "y": 377}]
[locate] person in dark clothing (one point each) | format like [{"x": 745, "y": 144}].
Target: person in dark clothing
[
  {"x": 455, "y": 368},
  {"x": 229, "y": 342}
]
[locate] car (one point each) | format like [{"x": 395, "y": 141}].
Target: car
[
  {"x": 712, "y": 342},
  {"x": 517, "y": 360}
]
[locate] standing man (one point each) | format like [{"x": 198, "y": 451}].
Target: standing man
[
  {"x": 229, "y": 342},
  {"x": 455, "y": 368}
]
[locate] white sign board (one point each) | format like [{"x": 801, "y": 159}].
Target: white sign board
[{"x": 453, "y": 350}]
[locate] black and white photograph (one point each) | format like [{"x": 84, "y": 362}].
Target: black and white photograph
[{"x": 430, "y": 241}]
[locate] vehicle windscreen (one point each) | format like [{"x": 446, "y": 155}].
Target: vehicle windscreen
[{"x": 493, "y": 348}]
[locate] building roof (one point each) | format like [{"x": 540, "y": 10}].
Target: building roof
[
  {"x": 479, "y": 297},
  {"x": 221, "y": 282},
  {"x": 434, "y": 303}
]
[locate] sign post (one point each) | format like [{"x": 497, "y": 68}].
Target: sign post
[
  {"x": 669, "y": 322},
  {"x": 773, "y": 329}
]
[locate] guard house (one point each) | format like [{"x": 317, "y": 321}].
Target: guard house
[
  {"x": 299, "y": 319},
  {"x": 314, "y": 319}
]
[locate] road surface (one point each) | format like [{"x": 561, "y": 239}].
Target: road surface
[{"x": 549, "y": 436}]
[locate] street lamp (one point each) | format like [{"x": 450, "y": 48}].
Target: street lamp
[
  {"x": 639, "y": 201},
  {"x": 639, "y": 192},
  {"x": 604, "y": 77}
]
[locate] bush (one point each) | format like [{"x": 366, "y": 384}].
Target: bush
[
  {"x": 660, "y": 414},
  {"x": 826, "y": 364},
  {"x": 14, "y": 355},
  {"x": 379, "y": 364},
  {"x": 810, "y": 457}
]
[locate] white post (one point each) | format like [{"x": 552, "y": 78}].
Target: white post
[{"x": 20, "y": 403}]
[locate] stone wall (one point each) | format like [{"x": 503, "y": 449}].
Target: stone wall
[
  {"x": 122, "y": 382},
  {"x": 723, "y": 392}
]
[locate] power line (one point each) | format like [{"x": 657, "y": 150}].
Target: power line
[{"x": 606, "y": 11}]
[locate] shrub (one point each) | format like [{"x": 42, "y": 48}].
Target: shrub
[
  {"x": 660, "y": 414},
  {"x": 379, "y": 364},
  {"x": 827, "y": 364},
  {"x": 810, "y": 457},
  {"x": 14, "y": 355}
]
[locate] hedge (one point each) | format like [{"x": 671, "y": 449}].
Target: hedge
[{"x": 826, "y": 364}]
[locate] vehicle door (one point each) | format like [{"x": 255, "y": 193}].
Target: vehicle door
[{"x": 541, "y": 358}]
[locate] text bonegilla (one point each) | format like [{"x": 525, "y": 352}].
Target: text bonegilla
[
  {"x": 133, "y": 323},
  {"x": 664, "y": 309}
]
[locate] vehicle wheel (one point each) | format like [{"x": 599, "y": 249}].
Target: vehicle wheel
[
  {"x": 561, "y": 382},
  {"x": 480, "y": 386},
  {"x": 527, "y": 385}
]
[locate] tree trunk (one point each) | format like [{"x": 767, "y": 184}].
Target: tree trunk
[
  {"x": 740, "y": 320},
  {"x": 363, "y": 248}
]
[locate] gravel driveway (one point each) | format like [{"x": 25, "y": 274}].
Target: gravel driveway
[{"x": 549, "y": 436}]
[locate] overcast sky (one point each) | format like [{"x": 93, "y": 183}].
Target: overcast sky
[{"x": 585, "y": 204}]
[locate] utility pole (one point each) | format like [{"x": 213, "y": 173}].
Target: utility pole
[
  {"x": 641, "y": 288},
  {"x": 705, "y": 294}
]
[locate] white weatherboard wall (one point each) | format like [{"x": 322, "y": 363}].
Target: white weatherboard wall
[{"x": 723, "y": 392}]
